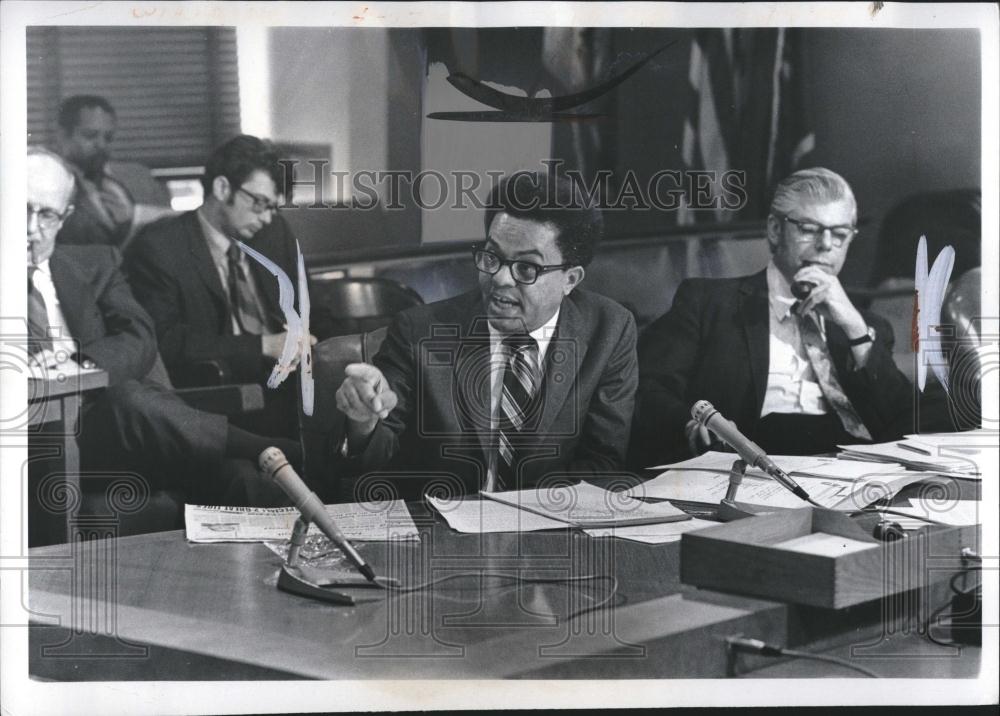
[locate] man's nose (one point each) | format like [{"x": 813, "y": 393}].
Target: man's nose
[
  {"x": 825, "y": 239},
  {"x": 504, "y": 277},
  {"x": 34, "y": 229}
]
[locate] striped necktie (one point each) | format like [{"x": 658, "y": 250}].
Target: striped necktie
[
  {"x": 241, "y": 299},
  {"x": 520, "y": 403},
  {"x": 826, "y": 376},
  {"x": 38, "y": 317}
]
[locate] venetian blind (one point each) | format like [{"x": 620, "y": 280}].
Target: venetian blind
[{"x": 175, "y": 90}]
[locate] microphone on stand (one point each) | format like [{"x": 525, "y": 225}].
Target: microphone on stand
[
  {"x": 705, "y": 414},
  {"x": 275, "y": 466}
]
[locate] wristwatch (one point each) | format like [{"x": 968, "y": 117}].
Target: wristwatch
[{"x": 868, "y": 337}]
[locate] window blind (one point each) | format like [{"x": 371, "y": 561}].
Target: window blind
[{"x": 175, "y": 90}]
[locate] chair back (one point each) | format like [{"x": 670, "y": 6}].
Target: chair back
[
  {"x": 361, "y": 305},
  {"x": 323, "y": 432}
]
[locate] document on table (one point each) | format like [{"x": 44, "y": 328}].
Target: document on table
[
  {"x": 659, "y": 533},
  {"x": 359, "y": 521},
  {"x": 585, "y": 505},
  {"x": 472, "y": 515},
  {"x": 795, "y": 465},
  {"x": 951, "y": 512},
  {"x": 710, "y": 487},
  {"x": 915, "y": 455}
]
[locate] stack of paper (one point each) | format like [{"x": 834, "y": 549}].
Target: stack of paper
[
  {"x": 795, "y": 465},
  {"x": 762, "y": 491},
  {"x": 588, "y": 506},
  {"x": 915, "y": 454}
]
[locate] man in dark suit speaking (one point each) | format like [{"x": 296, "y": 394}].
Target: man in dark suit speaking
[
  {"x": 529, "y": 377},
  {"x": 783, "y": 353}
]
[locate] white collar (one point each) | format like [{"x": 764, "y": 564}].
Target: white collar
[
  {"x": 779, "y": 292},
  {"x": 542, "y": 335},
  {"x": 218, "y": 243}
]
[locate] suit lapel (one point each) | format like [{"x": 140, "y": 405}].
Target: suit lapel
[
  {"x": 563, "y": 359},
  {"x": 197, "y": 246},
  {"x": 267, "y": 285},
  {"x": 753, "y": 311},
  {"x": 76, "y": 299},
  {"x": 472, "y": 373}
]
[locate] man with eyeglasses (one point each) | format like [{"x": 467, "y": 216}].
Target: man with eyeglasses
[
  {"x": 527, "y": 378},
  {"x": 209, "y": 300},
  {"x": 784, "y": 353},
  {"x": 82, "y": 315}
]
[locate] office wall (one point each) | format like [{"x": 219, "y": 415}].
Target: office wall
[{"x": 895, "y": 111}]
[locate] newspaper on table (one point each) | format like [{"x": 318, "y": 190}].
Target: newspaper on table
[{"x": 359, "y": 521}]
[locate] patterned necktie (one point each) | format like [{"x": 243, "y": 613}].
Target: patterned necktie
[
  {"x": 38, "y": 317},
  {"x": 520, "y": 403},
  {"x": 241, "y": 300},
  {"x": 826, "y": 376}
]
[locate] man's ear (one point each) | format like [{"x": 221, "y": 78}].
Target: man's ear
[
  {"x": 221, "y": 189},
  {"x": 574, "y": 275},
  {"x": 773, "y": 231}
]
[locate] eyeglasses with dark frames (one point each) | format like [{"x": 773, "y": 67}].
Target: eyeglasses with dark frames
[
  {"x": 810, "y": 231},
  {"x": 260, "y": 203},
  {"x": 524, "y": 272}
]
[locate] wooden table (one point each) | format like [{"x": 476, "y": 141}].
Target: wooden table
[
  {"x": 57, "y": 401},
  {"x": 155, "y": 607}
]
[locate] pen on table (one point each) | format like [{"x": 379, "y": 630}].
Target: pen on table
[{"x": 914, "y": 448}]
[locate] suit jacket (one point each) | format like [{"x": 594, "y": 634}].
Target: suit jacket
[
  {"x": 174, "y": 278},
  {"x": 101, "y": 313},
  {"x": 436, "y": 359},
  {"x": 713, "y": 344}
]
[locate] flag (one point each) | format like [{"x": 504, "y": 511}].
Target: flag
[{"x": 748, "y": 112}]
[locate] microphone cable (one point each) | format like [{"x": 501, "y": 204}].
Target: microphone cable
[
  {"x": 517, "y": 579},
  {"x": 756, "y": 646}
]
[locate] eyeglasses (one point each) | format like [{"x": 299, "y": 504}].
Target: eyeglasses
[
  {"x": 810, "y": 231},
  {"x": 260, "y": 203},
  {"x": 48, "y": 219},
  {"x": 524, "y": 272}
]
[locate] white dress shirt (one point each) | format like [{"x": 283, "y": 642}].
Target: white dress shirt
[
  {"x": 791, "y": 382},
  {"x": 543, "y": 336},
  {"x": 218, "y": 246},
  {"x": 63, "y": 345}
]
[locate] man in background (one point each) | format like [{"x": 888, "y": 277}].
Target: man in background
[
  {"x": 81, "y": 314},
  {"x": 783, "y": 353},
  {"x": 114, "y": 200},
  {"x": 208, "y": 299}
]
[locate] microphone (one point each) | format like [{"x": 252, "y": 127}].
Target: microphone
[
  {"x": 275, "y": 466},
  {"x": 705, "y": 414}
]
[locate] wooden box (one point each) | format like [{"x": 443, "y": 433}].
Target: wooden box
[{"x": 819, "y": 557}]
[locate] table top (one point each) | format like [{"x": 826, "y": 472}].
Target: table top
[{"x": 213, "y": 611}]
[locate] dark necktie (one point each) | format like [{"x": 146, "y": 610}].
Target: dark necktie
[
  {"x": 826, "y": 376},
  {"x": 520, "y": 403},
  {"x": 241, "y": 300},
  {"x": 38, "y": 318}
]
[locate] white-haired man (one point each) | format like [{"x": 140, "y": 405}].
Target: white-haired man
[{"x": 784, "y": 353}]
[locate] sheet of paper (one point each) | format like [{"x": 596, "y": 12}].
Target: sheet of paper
[
  {"x": 825, "y": 545},
  {"x": 710, "y": 487},
  {"x": 359, "y": 521},
  {"x": 472, "y": 515},
  {"x": 828, "y": 467},
  {"x": 958, "y": 512},
  {"x": 660, "y": 533},
  {"x": 586, "y": 505},
  {"x": 723, "y": 461},
  {"x": 911, "y": 454}
]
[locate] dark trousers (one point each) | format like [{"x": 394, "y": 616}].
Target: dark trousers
[{"x": 791, "y": 434}]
